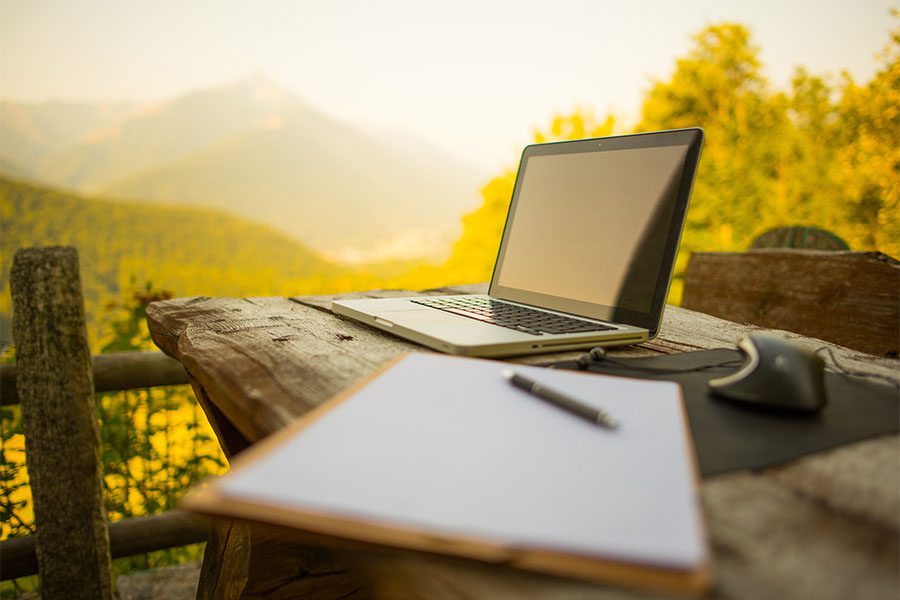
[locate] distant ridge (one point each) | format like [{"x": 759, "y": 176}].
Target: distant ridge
[
  {"x": 187, "y": 251},
  {"x": 164, "y": 133},
  {"x": 256, "y": 150},
  {"x": 30, "y": 133}
]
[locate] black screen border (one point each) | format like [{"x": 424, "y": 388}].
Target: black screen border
[{"x": 691, "y": 137}]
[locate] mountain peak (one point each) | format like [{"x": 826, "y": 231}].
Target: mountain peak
[{"x": 261, "y": 89}]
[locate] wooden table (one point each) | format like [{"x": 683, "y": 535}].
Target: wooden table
[{"x": 825, "y": 526}]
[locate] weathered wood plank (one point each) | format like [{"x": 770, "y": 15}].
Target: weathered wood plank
[
  {"x": 235, "y": 351},
  {"x": 126, "y": 538},
  {"x": 313, "y": 574},
  {"x": 771, "y": 542},
  {"x": 340, "y": 350},
  {"x": 171, "y": 529},
  {"x": 224, "y": 570},
  {"x": 768, "y": 543},
  {"x": 133, "y": 370},
  {"x": 294, "y": 354},
  {"x": 61, "y": 440},
  {"x": 113, "y": 372},
  {"x": 8, "y": 393},
  {"x": 862, "y": 480},
  {"x": 230, "y": 439},
  {"x": 226, "y": 560},
  {"x": 684, "y": 330},
  {"x": 264, "y": 357},
  {"x": 246, "y": 561},
  {"x": 849, "y": 298}
]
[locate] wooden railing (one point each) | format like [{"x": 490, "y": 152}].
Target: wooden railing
[
  {"x": 119, "y": 371},
  {"x": 113, "y": 372},
  {"x": 54, "y": 380},
  {"x": 127, "y": 537}
]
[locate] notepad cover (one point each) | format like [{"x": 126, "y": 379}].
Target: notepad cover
[{"x": 441, "y": 453}]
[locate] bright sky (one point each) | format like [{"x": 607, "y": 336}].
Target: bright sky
[{"x": 472, "y": 76}]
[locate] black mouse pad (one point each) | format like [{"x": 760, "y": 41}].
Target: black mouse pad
[{"x": 730, "y": 437}]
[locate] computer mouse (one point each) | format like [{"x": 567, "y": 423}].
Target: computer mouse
[{"x": 777, "y": 374}]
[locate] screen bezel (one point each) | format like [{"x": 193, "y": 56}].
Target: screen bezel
[{"x": 693, "y": 139}]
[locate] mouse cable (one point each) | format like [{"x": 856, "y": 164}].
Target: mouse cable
[
  {"x": 668, "y": 371},
  {"x": 598, "y": 355},
  {"x": 840, "y": 369}
]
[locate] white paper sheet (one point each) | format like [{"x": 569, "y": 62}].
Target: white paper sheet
[{"x": 447, "y": 444}]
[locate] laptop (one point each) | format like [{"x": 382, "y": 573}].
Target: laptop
[{"x": 586, "y": 256}]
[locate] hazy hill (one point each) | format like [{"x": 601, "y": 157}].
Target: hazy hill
[
  {"x": 318, "y": 180},
  {"x": 258, "y": 151},
  {"x": 185, "y": 250},
  {"x": 165, "y": 133},
  {"x": 9, "y": 168},
  {"x": 32, "y": 132}
]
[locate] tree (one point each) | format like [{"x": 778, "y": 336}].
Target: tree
[
  {"x": 719, "y": 87},
  {"x": 474, "y": 253},
  {"x": 867, "y": 161},
  {"x": 814, "y": 155}
]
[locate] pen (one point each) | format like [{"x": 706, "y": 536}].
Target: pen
[{"x": 563, "y": 401}]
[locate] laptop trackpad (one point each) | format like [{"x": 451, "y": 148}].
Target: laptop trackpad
[{"x": 454, "y": 328}]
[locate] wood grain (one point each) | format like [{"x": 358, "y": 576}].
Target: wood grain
[
  {"x": 115, "y": 371},
  {"x": 128, "y": 537},
  {"x": 263, "y": 362},
  {"x": 62, "y": 449},
  {"x": 850, "y": 298}
]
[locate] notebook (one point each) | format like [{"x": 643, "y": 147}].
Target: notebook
[
  {"x": 585, "y": 259},
  {"x": 441, "y": 454}
]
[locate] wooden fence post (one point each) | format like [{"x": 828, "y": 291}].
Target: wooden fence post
[{"x": 56, "y": 390}]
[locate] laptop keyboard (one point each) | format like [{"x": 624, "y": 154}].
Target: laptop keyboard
[{"x": 511, "y": 316}]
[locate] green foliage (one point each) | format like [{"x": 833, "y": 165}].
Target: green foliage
[
  {"x": 867, "y": 165},
  {"x": 476, "y": 250},
  {"x": 15, "y": 510},
  {"x": 154, "y": 444},
  {"x": 127, "y": 322},
  {"x": 817, "y": 155},
  {"x": 187, "y": 251},
  {"x": 719, "y": 87}
]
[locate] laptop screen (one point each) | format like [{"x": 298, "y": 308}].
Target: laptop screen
[{"x": 593, "y": 225}]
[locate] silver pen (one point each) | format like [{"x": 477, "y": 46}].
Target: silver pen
[{"x": 594, "y": 415}]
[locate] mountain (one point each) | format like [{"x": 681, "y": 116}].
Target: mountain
[
  {"x": 318, "y": 180},
  {"x": 260, "y": 152},
  {"x": 9, "y": 168},
  {"x": 165, "y": 133},
  {"x": 187, "y": 251},
  {"x": 30, "y": 133}
]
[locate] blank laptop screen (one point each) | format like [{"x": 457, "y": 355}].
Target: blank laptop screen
[{"x": 588, "y": 231}]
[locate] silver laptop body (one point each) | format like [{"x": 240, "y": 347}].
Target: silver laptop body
[{"x": 586, "y": 256}]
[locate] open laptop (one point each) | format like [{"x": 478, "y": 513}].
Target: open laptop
[{"x": 586, "y": 256}]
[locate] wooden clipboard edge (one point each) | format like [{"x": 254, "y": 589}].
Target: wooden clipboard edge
[{"x": 207, "y": 499}]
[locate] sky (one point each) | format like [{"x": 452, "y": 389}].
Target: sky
[{"x": 475, "y": 78}]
